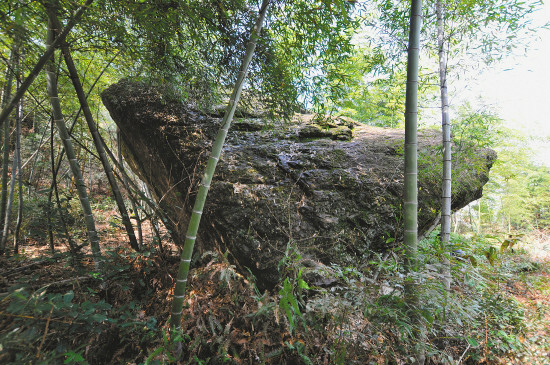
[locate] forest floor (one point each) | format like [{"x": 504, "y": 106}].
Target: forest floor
[
  {"x": 54, "y": 309},
  {"x": 536, "y": 300},
  {"x": 532, "y": 289}
]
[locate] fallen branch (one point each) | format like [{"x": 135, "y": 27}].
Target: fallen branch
[
  {"x": 45, "y": 333},
  {"x": 464, "y": 353},
  {"x": 36, "y": 318},
  {"x": 67, "y": 281},
  {"x": 23, "y": 268}
]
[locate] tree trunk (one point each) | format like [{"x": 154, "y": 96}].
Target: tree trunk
[
  {"x": 411, "y": 179},
  {"x": 54, "y": 189},
  {"x": 446, "y": 130},
  {"x": 16, "y": 236},
  {"x": 6, "y": 93},
  {"x": 97, "y": 141},
  {"x": 7, "y": 217},
  {"x": 18, "y": 121},
  {"x": 411, "y": 142},
  {"x": 136, "y": 188},
  {"x": 127, "y": 187},
  {"x": 479, "y": 217},
  {"x": 75, "y": 168},
  {"x": 457, "y": 223},
  {"x": 55, "y": 172},
  {"x": 179, "y": 290},
  {"x": 50, "y": 204}
]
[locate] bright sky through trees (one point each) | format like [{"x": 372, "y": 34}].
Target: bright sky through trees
[{"x": 518, "y": 88}]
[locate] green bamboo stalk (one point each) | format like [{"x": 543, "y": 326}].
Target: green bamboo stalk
[
  {"x": 95, "y": 137},
  {"x": 446, "y": 132},
  {"x": 6, "y": 94},
  {"x": 411, "y": 140},
  {"x": 50, "y": 49},
  {"x": 16, "y": 156},
  {"x": 7, "y": 217},
  {"x": 411, "y": 180},
  {"x": 71, "y": 156},
  {"x": 50, "y": 193},
  {"x": 17, "y": 231},
  {"x": 18, "y": 121},
  {"x": 179, "y": 290},
  {"x": 54, "y": 190}
]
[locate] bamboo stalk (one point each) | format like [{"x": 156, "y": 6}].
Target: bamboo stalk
[
  {"x": 6, "y": 93},
  {"x": 446, "y": 132},
  {"x": 411, "y": 140},
  {"x": 193, "y": 227},
  {"x": 71, "y": 156},
  {"x": 95, "y": 137},
  {"x": 411, "y": 181}
]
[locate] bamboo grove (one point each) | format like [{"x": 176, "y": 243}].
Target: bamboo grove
[{"x": 379, "y": 62}]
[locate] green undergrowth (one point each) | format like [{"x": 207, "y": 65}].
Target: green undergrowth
[
  {"x": 59, "y": 312},
  {"x": 364, "y": 317}
]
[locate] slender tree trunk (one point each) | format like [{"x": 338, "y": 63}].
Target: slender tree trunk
[
  {"x": 18, "y": 121},
  {"x": 446, "y": 130},
  {"x": 411, "y": 178},
  {"x": 73, "y": 162},
  {"x": 72, "y": 246},
  {"x": 179, "y": 290},
  {"x": 55, "y": 189},
  {"x": 134, "y": 186},
  {"x": 50, "y": 204},
  {"x": 17, "y": 233},
  {"x": 470, "y": 217},
  {"x": 34, "y": 171},
  {"x": 6, "y": 93},
  {"x": 50, "y": 49},
  {"x": 479, "y": 217},
  {"x": 96, "y": 81},
  {"x": 127, "y": 187},
  {"x": 95, "y": 136},
  {"x": 411, "y": 141},
  {"x": 7, "y": 217},
  {"x": 153, "y": 219},
  {"x": 55, "y": 168},
  {"x": 457, "y": 223},
  {"x": 152, "y": 216}
]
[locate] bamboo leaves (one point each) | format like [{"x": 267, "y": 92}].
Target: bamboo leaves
[{"x": 50, "y": 49}]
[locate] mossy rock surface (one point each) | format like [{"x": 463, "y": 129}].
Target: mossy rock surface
[{"x": 337, "y": 199}]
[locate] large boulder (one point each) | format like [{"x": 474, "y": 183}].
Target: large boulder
[{"x": 331, "y": 188}]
